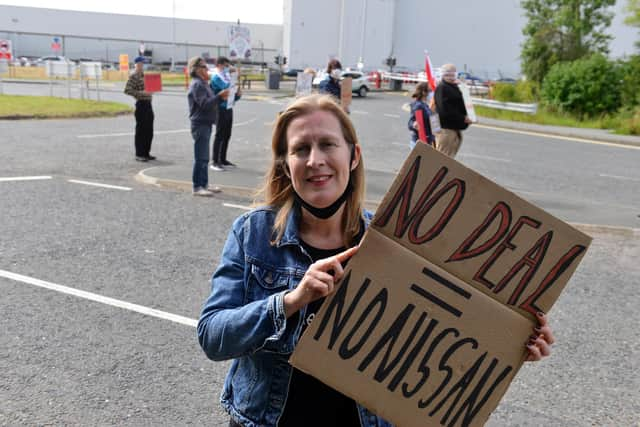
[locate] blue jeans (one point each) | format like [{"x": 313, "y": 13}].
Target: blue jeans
[{"x": 201, "y": 135}]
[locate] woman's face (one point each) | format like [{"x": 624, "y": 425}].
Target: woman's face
[{"x": 319, "y": 158}]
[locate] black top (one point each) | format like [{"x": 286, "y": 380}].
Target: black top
[
  {"x": 310, "y": 402},
  {"x": 450, "y": 106}
]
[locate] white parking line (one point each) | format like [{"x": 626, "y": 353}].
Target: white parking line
[
  {"x": 478, "y": 156},
  {"x": 157, "y": 132},
  {"x": 394, "y": 116},
  {"x": 101, "y": 299},
  {"x": 24, "y": 178},
  {"x": 243, "y": 123},
  {"x": 231, "y": 205},
  {"x": 624, "y": 178},
  {"x": 359, "y": 112},
  {"x": 96, "y": 184}
]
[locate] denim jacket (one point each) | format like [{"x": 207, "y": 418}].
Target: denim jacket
[{"x": 244, "y": 319}]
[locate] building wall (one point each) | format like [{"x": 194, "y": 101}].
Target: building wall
[
  {"x": 89, "y": 33},
  {"x": 483, "y": 37}
]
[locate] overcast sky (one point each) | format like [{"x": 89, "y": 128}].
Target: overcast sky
[{"x": 257, "y": 11}]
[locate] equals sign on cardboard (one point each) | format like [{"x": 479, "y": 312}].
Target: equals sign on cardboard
[{"x": 434, "y": 299}]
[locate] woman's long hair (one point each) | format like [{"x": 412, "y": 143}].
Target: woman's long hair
[{"x": 278, "y": 191}]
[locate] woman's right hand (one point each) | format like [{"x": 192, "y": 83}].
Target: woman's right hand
[{"x": 318, "y": 282}]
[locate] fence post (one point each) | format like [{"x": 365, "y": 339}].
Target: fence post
[
  {"x": 69, "y": 80},
  {"x": 97, "y": 69}
]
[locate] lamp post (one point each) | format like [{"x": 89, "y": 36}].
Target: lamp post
[{"x": 173, "y": 34}]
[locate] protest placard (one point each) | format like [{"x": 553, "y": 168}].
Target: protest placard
[
  {"x": 468, "y": 103},
  {"x": 346, "y": 95},
  {"x": 303, "y": 84},
  {"x": 428, "y": 325},
  {"x": 152, "y": 82}
]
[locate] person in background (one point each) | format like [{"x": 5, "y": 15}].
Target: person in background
[
  {"x": 420, "y": 96},
  {"x": 452, "y": 112},
  {"x": 144, "y": 111},
  {"x": 202, "y": 113},
  {"x": 221, "y": 80},
  {"x": 331, "y": 83},
  {"x": 279, "y": 263}
]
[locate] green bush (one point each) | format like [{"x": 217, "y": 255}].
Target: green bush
[
  {"x": 527, "y": 91},
  {"x": 630, "y": 90},
  {"x": 505, "y": 92},
  {"x": 586, "y": 87}
]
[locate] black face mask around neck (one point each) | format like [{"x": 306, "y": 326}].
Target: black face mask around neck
[{"x": 324, "y": 213}]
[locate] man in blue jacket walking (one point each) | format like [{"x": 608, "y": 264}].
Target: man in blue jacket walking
[{"x": 221, "y": 80}]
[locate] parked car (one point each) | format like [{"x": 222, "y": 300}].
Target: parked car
[
  {"x": 470, "y": 79},
  {"x": 359, "y": 85},
  {"x": 41, "y": 61}
]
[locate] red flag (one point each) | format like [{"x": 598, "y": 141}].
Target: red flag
[
  {"x": 429, "y": 71},
  {"x": 422, "y": 133}
]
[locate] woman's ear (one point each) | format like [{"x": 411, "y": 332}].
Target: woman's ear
[{"x": 355, "y": 156}]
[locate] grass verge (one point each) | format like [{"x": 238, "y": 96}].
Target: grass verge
[
  {"x": 624, "y": 122},
  {"x": 14, "y": 107}
]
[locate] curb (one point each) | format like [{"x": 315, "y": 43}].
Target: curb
[{"x": 368, "y": 204}]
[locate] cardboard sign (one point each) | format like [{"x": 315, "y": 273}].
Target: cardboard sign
[
  {"x": 466, "y": 96},
  {"x": 233, "y": 89},
  {"x": 152, "y": 82},
  {"x": 346, "y": 86},
  {"x": 428, "y": 325},
  {"x": 303, "y": 84}
]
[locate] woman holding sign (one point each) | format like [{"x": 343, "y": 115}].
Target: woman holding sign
[
  {"x": 278, "y": 264},
  {"x": 419, "y": 119}
]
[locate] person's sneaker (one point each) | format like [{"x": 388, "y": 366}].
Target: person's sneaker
[
  {"x": 228, "y": 164},
  {"x": 150, "y": 157},
  {"x": 214, "y": 189},
  {"x": 202, "y": 192},
  {"x": 216, "y": 167},
  {"x": 141, "y": 159}
]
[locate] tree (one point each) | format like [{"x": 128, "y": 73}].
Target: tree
[
  {"x": 563, "y": 30},
  {"x": 633, "y": 17}
]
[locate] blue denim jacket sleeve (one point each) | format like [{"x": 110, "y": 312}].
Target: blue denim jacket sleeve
[{"x": 229, "y": 326}]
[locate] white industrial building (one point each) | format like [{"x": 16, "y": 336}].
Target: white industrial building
[{"x": 483, "y": 37}]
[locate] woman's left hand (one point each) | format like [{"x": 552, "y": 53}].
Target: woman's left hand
[{"x": 539, "y": 344}]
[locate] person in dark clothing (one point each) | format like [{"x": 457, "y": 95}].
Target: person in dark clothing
[
  {"x": 331, "y": 83},
  {"x": 144, "y": 112},
  {"x": 420, "y": 95},
  {"x": 202, "y": 113},
  {"x": 221, "y": 80},
  {"x": 452, "y": 112}
]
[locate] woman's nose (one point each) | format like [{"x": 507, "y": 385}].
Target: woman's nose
[{"x": 316, "y": 157}]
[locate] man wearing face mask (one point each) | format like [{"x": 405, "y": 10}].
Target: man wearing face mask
[
  {"x": 221, "y": 80},
  {"x": 452, "y": 112},
  {"x": 331, "y": 84}
]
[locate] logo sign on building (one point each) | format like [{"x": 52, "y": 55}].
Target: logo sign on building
[
  {"x": 5, "y": 50},
  {"x": 239, "y": 42},
  {"x": 124, "y": 62},
  {"x": 428, "y": 325},
  {"x": 56, "y": 45}
]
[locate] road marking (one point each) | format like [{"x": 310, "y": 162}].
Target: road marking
[
  {"x": 157, "y": 132},
  {"x": 624, "y": 178},
  {"x": 96, "y": 184},
  {"x": 24, "y": 178},
  {"x": 478, "y": 156},
  {"x": 565, "y": 138},
  {"x": 359, "y": 112},
  {"x": 231, "y": 205},
  {"x": 100, "y": 299},
  {"x": 400, "y": 144},
  {"x": 244, "y": 123},
  {"x": 394, "y": 116}
]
